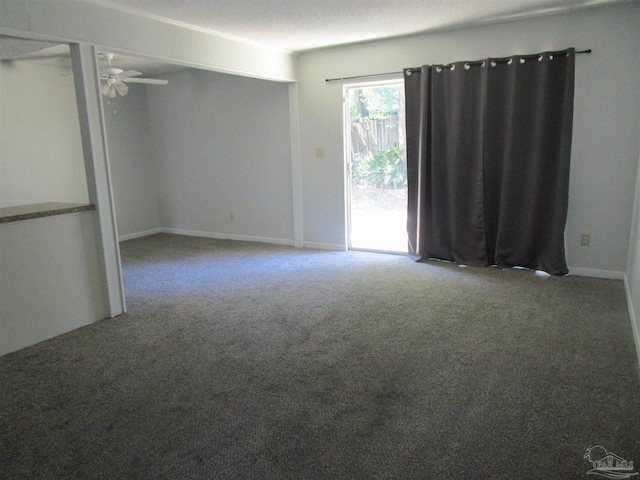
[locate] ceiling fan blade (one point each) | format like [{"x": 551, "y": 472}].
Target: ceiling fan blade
[
  {"x": 129, "y": 74},
  {"x": 111, "y": 71},
  {"x": 150, "y": 81},
  {"x": 121, "y": 88},
  {"x": 105, "y": 89}
]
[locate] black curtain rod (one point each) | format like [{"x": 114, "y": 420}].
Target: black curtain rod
[{"x": 416, "y": 69}]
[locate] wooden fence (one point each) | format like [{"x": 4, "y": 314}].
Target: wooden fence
[{"x": 369, "y": 135}]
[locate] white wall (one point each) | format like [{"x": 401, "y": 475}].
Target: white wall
[
  {"x": 222, "y": 145},
  {"x": 633, "y": 268},
  {"x": 50, "y": 279},
  {"x": 41, "y": 157},
  {"x": 134, "y": 174},
  {"x": 606, "y": 119}
]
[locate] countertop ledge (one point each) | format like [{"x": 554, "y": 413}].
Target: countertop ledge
[{"x": 39, "y": 210}]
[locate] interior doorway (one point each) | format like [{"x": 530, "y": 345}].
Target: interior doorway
[{"x": 376, "y": 172}]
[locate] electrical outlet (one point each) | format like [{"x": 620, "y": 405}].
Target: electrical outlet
[
  {"x": 585, "y": 239},
  {"x": 319, "y": 151},
  {"x": 230, "y": 215}
]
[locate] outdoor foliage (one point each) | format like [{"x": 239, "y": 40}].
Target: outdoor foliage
[
  {"x": 383, "y": 169},
  {"x": 375, "y": 102},
  {"x": 376, "y": 135}
]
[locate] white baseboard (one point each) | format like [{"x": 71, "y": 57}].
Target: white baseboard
[
  {"x": 145, "y": 233},
  {"x": 229, "y": 236},
  {"x": 325, "y": 246},
  {"x": 593, "y": 272},
  {"x": 635, "y": 327}
]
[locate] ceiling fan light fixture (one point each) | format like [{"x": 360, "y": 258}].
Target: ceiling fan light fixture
[
  {"x": 114, "y": 79},
  {"x": 121, "y": 88}
]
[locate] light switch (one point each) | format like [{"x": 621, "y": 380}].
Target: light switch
[
  {"x": 319, "y": 151},
  {"x": 585, "y": 239}
]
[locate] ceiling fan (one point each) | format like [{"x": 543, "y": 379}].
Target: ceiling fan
[{"x": 116, "y": 79}]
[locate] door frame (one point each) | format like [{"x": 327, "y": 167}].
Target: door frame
[{"x": 382, "y": 80}]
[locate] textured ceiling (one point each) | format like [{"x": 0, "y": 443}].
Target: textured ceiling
[
  {"x": 11, "y": 47},
  {"x": 299, "y": 25}
]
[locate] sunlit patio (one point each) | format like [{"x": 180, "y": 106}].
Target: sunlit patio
[{"x": 379, "y": 219}]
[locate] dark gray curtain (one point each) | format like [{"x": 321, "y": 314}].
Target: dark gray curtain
[{"x": 488, "y": 153}]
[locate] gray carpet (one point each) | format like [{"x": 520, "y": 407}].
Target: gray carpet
[{"x": 241, "y": 360}]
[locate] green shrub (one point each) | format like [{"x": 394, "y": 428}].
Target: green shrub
[{"x": 385, "y": 169}]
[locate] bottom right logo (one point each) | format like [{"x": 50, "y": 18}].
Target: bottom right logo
[{"x": 608, "y": 464}]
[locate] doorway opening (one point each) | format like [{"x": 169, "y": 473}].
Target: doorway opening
[{"x": 376, "y": 166}]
